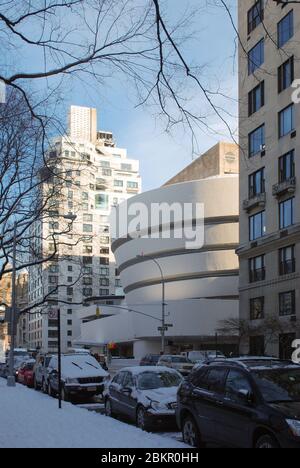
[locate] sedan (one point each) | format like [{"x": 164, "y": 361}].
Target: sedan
[
  {"x": 146, "y": 395},
  {"x": 25, "y": 374}
]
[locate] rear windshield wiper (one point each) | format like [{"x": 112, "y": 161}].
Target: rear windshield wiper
[{"x": 74, "y": 363}]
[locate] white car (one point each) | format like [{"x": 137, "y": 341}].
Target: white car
[
  {"x": 81, "y": 375},
  {"x": 146, "y": 395},
  {"x": 180, "y": 363}
]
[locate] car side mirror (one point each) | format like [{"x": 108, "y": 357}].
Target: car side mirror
[{"x": 247, "y": 396}]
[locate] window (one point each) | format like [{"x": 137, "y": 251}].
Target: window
[
  {"x": 255, "y": 16},
  {"x": 53, "y": 279},
  {"x": 104, "y": 163},
  {"x": 85, "y": 206},
  {"x": 87, "y": 228},
  {"x": 87, "y": 218},
  {"x": 84, "y": 196},
  {"x": 126, "y": 167},
  {"x": 104, "y": 251},
  {"x": 257, "y": 308},
  {"x": 287, "y": 261},
  {"x": 70, "y": 268},
  {"x": 287, "y": 303},
  {"x": 104, "y": 282},
  {"x": 257, "y": 183},
  {"x": 87, "y": 249},
  {"x": 285, "y": 346},
  {"x": 214, "y": 380},
  {"x": 70, "y": 311},
  {"x": 87, "y": 292},
  {"x": 257, "y": 226},
  {"x": 87, "y": 270},
  {"x": 54, "y": 226},
  {"x": 257, "y": 270},
  {"x": 286, "y": 213},
  {"x": 286, "y": 75},
  {"x": 70, "y": 279},
  {"x": 286, "y": 121},
  {"x": 69, "y": 332},
  {"x": 104, "y": 271},
  {"x": 256, "y": 98},
  {"x": 69, "y": 322},
  {"x": 256, "y": 141},
  {"x": 101, "y": 201},
  {"x": 87, "y": 281},
  {"x": 69, "y": 291},
  {"x": 237, "y": 383},
  {"x": 118, "y": 183},
  {"x": 104, "y": 292},
  {"x": 132, "y": 185},
  {"x": 87, "y": 260},
  {"x": 53, "y": 268},
  {"x": 257, "y": 345},
  {"x": 104, "y": 261},
  {"x": 104, "y": 240},
  {"x": 287, "y": 166},
  {"x": 285, "y": 29},
  {"x": 256, "y": 57},
  {"x": 106, "y": 172}
]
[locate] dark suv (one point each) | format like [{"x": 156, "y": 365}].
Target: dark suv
[{"x": 242, "y": 403}]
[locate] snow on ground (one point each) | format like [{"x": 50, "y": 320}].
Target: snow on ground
[{"x": 32, "y": 420}]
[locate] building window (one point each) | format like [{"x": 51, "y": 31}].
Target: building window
[
  {"x": 54, "y": 226},
  {"x": 69, "y": 291},
  {"x": 70, "y": 279},
  {"x": 257, "y": 183},
  {"x": 53, "y": 268},
  {"x": 104, "y": 240},
  {"x": 87, "y": 281},
  {"x": 287, "y": 261},
  {"x": 257, "y": 345},
  {"x": 69, "y": 322},
  {"x": 104, "y": 251},
  {"x": 104, "y": 292},
  {"x": 70, "y": 268},
  {"x": 132, "y": 185},
  {"x": 286, "y": 213},
  {"x": 87, "y": 218},
  {"x": 87, "y": 292},
  {"x": 286, "y": 121},
  {"x": 256, "y": 57},
  {"x": 285, "y": 345},
  {"x": 107, "y": 172},
  {"x": 257, "y": 270},
  {"x": 257, "y": 226},
  {"x": 87, "y": 260},
  {"x": 256, "y": 98},
  {"x": 257, "y": 141},
  {"x": 126, "y": 167},
  {"x": 104, "y": 261},
  {"x": 287, "y": 166},
  {"x": 285, "y": 29},
  {"x": 118, "y": 183},
  {"x": 287, "y": 303},
  {"x": 70, "y": 311},
  {"x": 53, "y": 279},
  {"x": 257, "y": 308},
  {"x": 104, "y": 271},
  {"x": 87, "y": 270},
  {"x": 104, "y": 282},
  {"x": 87, "y": 249},
  {"x": 69, "y": 332},
  {"x": 84, "y": 196},
  {"x": 255, "y": 16},
  {"x": 87, "y": 228},
  {"x": 286, "y": 75}
]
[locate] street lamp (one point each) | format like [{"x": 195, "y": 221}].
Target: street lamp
[{"x": 163, "y": 304}]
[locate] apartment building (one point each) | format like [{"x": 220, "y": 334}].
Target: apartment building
[
  {"x": 269, "y": 249},
  {"x": 5, "y": 301},
  {"x": 89, "y": 178}
]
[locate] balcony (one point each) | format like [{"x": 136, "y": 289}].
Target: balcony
[
  {"x": 258, "y": 200},
  {"x": 287, "y": 267},
  {"x": 287, "y": 186}
]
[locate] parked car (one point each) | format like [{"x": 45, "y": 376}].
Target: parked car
[
  {"x": 25, "y": 374},
  {"x": 3, "y": 370},
  {"x": 244, "y": 403},
  {"x": 179, "y": 363},
  {"x": 197, "y": 357},
  {"x": 81, "y": 375},
  {"x": 146, "y": 395},
  {"x": 40, "y": 372},
  {"x": 150, "y": 360}
]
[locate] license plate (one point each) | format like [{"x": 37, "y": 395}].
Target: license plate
[{"x": 92, "y": 389}]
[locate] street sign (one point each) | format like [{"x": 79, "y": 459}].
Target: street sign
[
  {"x": 169, "y": 325},
  {"x": 165, "y": 328}
]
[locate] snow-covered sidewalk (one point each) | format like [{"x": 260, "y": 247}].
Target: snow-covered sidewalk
[{"x": 33, "y": 420}]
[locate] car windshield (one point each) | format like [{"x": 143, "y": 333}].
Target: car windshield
[
  {"x": 279, "y": 385},
  {"x": 153, "y": 380},
  {"x": 180, "y": 359}
]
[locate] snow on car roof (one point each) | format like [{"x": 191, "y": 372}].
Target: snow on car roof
[{"x": 141, "y": 369}]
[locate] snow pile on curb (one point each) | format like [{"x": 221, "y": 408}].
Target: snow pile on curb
[{"x": 32, "y": 420}]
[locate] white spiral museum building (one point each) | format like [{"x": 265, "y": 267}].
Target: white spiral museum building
[{"x": 201, "y": 285}]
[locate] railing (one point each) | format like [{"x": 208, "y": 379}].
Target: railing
[
  {"x": 281, "y": 188},
  {"x": 253, "y": 202}
]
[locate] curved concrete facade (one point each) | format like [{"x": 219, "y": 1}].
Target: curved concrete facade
[{"x": 201, "y": 284}]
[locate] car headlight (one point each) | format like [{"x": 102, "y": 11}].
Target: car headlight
[
  {"x": 156, "y": 405},
  {"x": 72, "y": 381},
  {"x": 294, "y": 425}
]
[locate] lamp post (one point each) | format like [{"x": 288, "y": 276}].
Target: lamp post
[
  {"x": 11, "y": 381},
  {"x": 163, "y": 303}
]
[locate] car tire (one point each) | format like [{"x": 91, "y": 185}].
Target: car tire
[
  {"x": 64, "y": 394},
  {"x": 266, "y": 442},
  {"x": 109, "y": 408},
  {"x": 190, "y": 432},
  {"x": 142, "y": 421},
  {"x": 50, "y": 391},
  {"x": 44, "y": 387}
]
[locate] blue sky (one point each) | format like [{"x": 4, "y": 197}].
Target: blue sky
[{"x": 162, "y": 155}]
